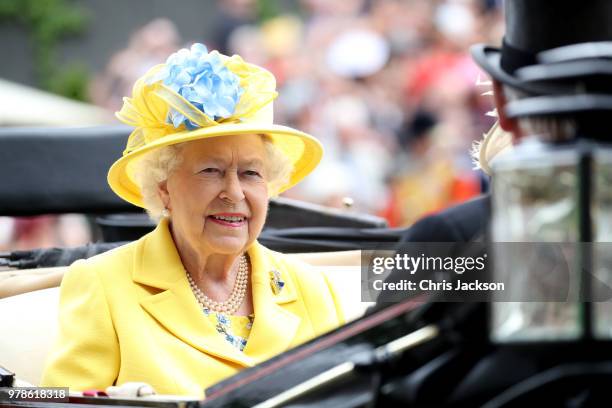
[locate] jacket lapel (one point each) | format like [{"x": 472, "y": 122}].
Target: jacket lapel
[
  {"x": 157, "y": 264},
  {"x": 274, "y": 327}
]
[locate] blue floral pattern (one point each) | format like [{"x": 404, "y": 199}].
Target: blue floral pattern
[{"x": 234, "y": 329}]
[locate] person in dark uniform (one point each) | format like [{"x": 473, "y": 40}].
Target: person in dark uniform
[
  {"x": 541, "y": 56},
  {"x": 532, "y": 27},
  {"x": 461, "y": 223},
  {"x": 552, "y": 84}
]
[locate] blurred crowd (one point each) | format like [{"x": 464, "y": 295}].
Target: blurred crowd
[{"x": 387, "y": 86}]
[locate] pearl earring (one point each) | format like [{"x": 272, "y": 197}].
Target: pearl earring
[{"x": 165, "y": 213}]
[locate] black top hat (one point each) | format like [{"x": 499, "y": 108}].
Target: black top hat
[{"x": 553, "y": 47}]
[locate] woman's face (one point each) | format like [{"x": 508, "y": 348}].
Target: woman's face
[{"x": 217, "y": 196}]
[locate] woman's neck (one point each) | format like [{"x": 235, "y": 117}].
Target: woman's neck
[
  {"x": 206, "y": 267},
  {"x": 215, "y": 274},
  {"x": 216, "y": 267}
]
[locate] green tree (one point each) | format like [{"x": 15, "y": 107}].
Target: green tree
[{"x": 47, "y": 23}]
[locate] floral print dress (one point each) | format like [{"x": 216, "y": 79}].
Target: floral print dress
[{"x": 234, "y": 329}]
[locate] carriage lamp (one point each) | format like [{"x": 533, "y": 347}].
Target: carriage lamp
[{"x": 551, "y": 238}]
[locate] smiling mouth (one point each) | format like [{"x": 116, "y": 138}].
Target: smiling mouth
[{"x": 231, "y": 221}]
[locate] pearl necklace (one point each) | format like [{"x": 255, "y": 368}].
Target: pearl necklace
[{"x": 231, "y": 305}]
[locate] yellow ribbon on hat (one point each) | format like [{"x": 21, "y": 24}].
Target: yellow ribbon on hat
[{"x": 147, "y": 110}]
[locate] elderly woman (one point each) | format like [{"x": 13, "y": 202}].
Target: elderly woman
[{"x": 198, "y": 299}]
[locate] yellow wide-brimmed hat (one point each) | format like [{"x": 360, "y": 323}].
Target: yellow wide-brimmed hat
[{"x": 197, "y": 95}]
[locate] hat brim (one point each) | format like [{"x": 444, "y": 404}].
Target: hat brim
[
  {"x": 489, "y": 59},
  {"x": 304, "y": 152}
]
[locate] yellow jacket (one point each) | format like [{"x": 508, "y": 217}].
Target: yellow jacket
[{"x": 130, "y": 315}]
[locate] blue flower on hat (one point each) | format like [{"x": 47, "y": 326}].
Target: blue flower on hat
[{"x": 204, "y": 81}]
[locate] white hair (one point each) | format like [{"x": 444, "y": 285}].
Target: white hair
[
  {"x": 548, "y": 128},
  {"x": 156, "y": 166}
]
